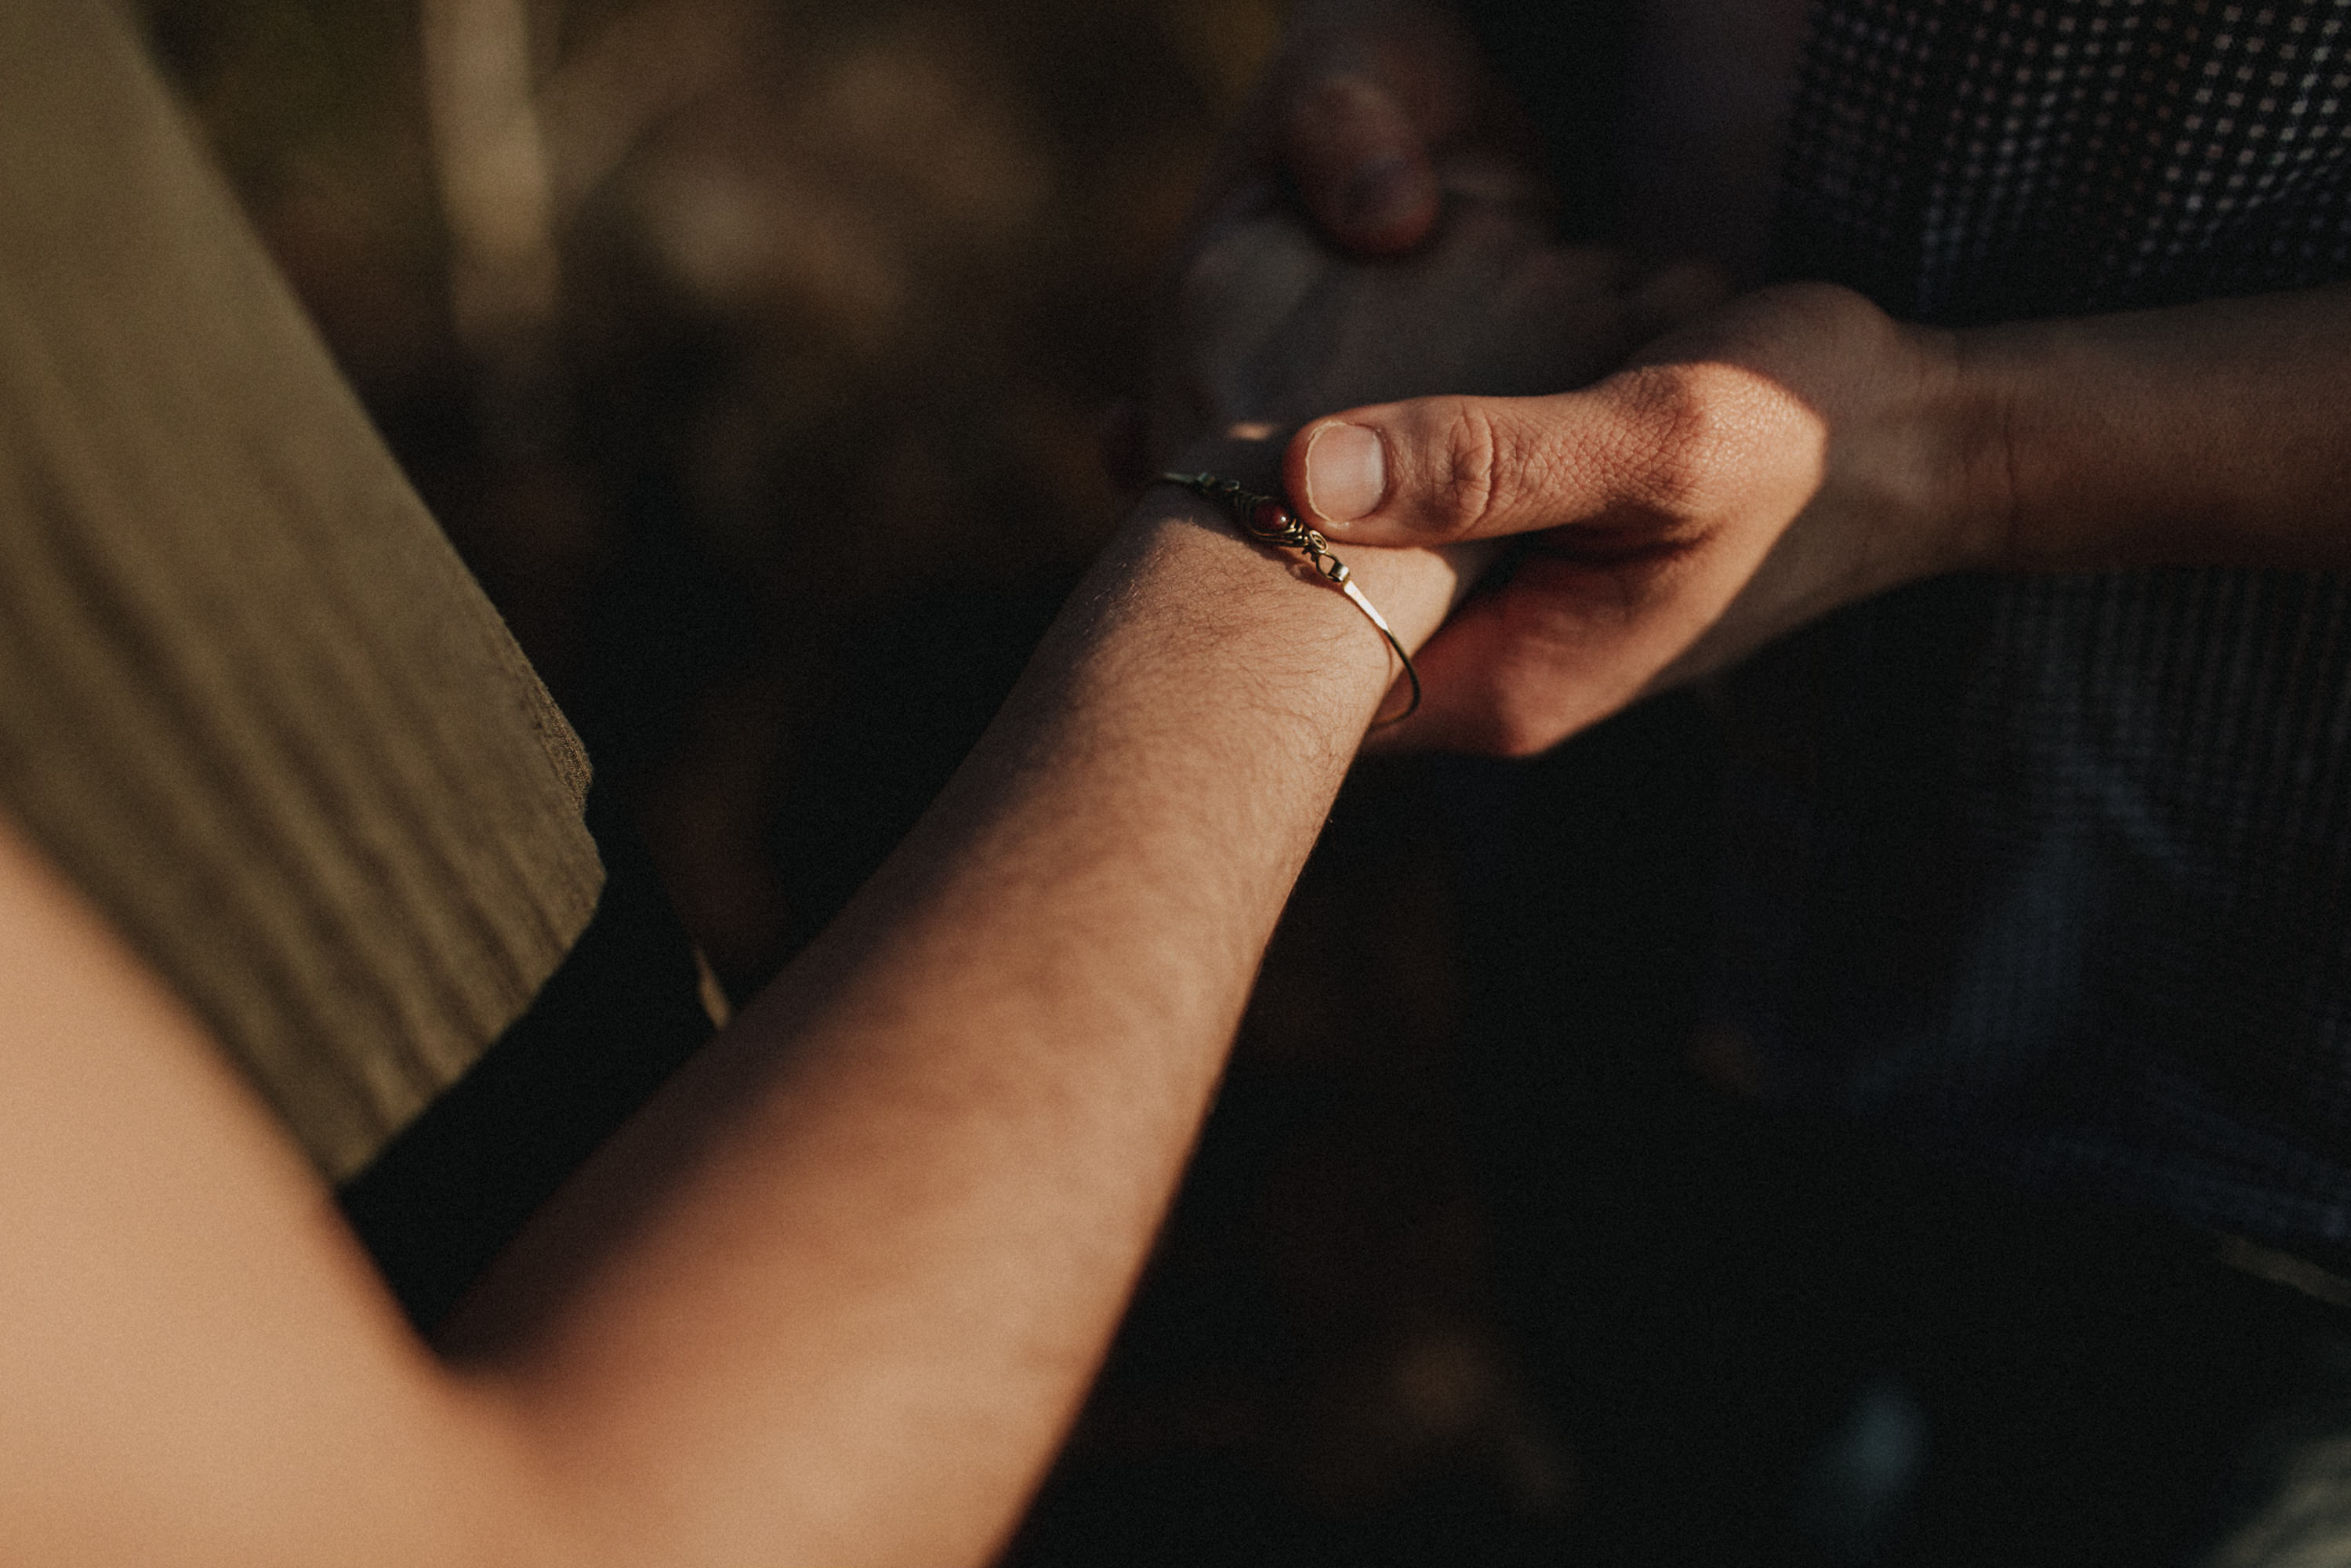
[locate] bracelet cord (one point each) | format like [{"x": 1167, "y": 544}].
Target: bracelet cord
[{"x": 1269, "y": 521}]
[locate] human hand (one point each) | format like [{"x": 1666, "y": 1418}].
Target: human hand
[
  {"x": 1373, "y": 110},
  {"x": 1787, "y": 453},
  {"x": 1268, "y": 325},
  {"x": 1363, "y": 105}
]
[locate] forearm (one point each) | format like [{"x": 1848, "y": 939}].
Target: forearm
[
  {"x": 2213, "y": 434},
  {"x": 851, "y": 1322}
]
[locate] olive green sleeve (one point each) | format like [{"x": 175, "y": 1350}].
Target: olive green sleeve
[{"x": 250, "y": 700}]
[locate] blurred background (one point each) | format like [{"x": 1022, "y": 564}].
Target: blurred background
[{"x": 753, "y": 352}]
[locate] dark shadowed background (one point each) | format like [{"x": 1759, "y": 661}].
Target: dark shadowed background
[{"x": 753, "y": 352}]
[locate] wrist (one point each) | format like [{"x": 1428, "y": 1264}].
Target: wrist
[
  {"x": 1976, "y": 429},
  {"x": 1261, "y": 615}
]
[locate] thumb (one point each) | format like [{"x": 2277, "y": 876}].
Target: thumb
[{"x": 1441, "y": 469}]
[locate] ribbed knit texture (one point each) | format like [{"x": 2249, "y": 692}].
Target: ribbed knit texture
[{"x": 249, "y": 698}]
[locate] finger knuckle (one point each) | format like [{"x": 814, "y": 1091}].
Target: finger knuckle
[
  {"x": 1689, "y": 423},
  {"x": 1468, "y": 485}
]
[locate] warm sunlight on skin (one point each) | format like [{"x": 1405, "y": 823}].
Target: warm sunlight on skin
[
  {"x": 1778, "y": 454},
  {"x": 194, "y": 1351},
  {"x": 757, "y": 1329},
  {"x": 835, "y": 1295},
  {"x": 1794, "y": 450}
]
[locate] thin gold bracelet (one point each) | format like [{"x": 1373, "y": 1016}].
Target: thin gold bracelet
[{"x": 1269, "y": 520}]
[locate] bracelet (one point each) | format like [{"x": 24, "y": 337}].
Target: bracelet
[{"x": 1269, "y": 520}]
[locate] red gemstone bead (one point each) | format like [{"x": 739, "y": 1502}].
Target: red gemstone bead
[{"x": 1270, "y": 517}]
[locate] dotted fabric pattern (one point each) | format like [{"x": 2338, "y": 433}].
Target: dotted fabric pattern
[
  {"x": 2054, "y": 874},
  {"x": 1972, "y": 162}
]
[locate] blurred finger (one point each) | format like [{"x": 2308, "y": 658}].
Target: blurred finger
[{"x": 1361, "y": 165}]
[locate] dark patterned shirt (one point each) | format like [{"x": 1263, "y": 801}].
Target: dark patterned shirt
[
  {"x": 2054, "y": 873},
  {"x": 1974, "y": 162}
]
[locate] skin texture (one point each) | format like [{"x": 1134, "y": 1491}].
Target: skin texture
[
  {"x": 1792, "y": 449},
  {"x": 834, "y": 1295},
  {"x": 1782, "y": 455},
  {"x": 1795, "y": 450}
]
